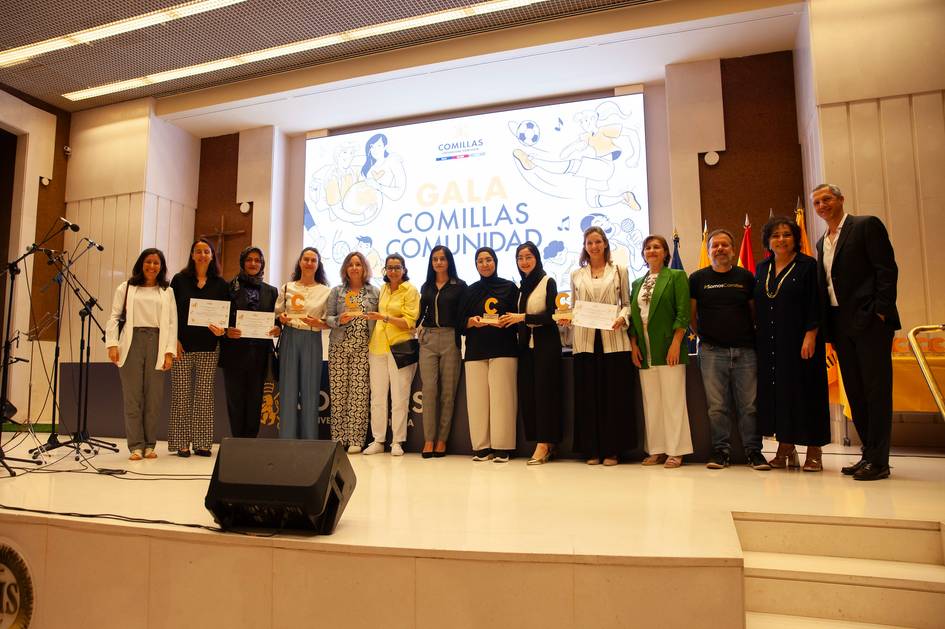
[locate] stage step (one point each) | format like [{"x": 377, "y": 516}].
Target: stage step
[
  {"x": 758, "y": 620},
  {"x": 910, "y": 594},
  {"x": 863, "y": 538}
]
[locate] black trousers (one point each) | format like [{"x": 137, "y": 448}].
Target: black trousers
[
  {"x": 539, "y": 393},
  {"x": 866, "y": 368},
  {"x": 244, "y": 383},
  {"x": 604, "y": 408}
]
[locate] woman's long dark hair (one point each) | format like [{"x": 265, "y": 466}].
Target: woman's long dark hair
[
  {"x": 320, "y": 276},
  {"x": 137, "y": 271},
  {"x": 450, "y": 266},
  {"x": 213, "y": 270}
]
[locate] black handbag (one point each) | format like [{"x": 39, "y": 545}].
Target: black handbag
[
  {"x": 405, "y": 353},
  {"x": 124, "y": 313}
]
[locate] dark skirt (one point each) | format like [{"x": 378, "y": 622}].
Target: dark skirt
[
  {"x": 605, "y": 419},
  {"x": 539, "y": 391}
]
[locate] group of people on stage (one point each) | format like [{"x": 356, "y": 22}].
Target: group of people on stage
[{"x": 762, "y": 356}]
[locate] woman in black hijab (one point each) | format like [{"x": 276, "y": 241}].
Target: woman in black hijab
[
  {"x": 539, "y": 354},
  {"x": 245, "y": 360},
  {"x": 491, "y": 360}
]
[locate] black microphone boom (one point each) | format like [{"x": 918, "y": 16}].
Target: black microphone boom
[
  {"x": 92, "y": 243},
  {"x": 70, "y": 224}
]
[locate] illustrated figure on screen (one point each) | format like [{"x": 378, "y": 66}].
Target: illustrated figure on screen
[
  {"x": 590, "y": 158},
  {"x": 558, "y": 263},
  {"x": 624, "y": 238},
  {"x": 365, "y": 244},
  {"x": 382, "y": 176},
  {"x": 329, "y": 184}
]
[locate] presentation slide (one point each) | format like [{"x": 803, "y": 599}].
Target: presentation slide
[{"x": 542, "y": 174}]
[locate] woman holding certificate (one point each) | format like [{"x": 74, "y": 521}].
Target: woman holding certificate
[
  {"x": 603, "y": 405},
  {"x": 141, "y": 336},
  {"x": 491, "y": 361},
  {"x": 301, "y": 307},
  {"x": 539, "y": 354},
  {"x": 203, "y": 304},
  {"x": 348, "y": 374},
  {"x": 659, "y": 314},
  {"x": 392, "y": 354},
  {"x": 246, "y": 350}
]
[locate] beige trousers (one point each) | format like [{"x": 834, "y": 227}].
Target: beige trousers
[{"x": 492, "y": 403}]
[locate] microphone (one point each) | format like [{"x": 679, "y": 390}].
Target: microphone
[
  {"x": 92, "y": 243},
  {"x": 70, "y": 224}
]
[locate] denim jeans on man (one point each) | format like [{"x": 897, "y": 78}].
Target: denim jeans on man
[{"x": 730, "y": 376}]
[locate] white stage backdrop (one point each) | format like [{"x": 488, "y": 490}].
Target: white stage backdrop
[{"x": 542, "y": 174}]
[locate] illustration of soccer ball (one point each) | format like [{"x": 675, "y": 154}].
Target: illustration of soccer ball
[{"x": 528, "y": 132}]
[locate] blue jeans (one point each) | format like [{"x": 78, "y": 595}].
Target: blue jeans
[
  {"x": 730, "y": 374},
  {"x": 300, "y": 379}
]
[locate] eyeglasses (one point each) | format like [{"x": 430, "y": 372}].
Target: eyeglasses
[{"x": 393, "y": 268}]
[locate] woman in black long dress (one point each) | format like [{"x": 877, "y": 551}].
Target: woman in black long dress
[
  {"x": 245, "y": 361},
  {"x": 539, "y": 354},
  {"x": 792, "y": 372}
]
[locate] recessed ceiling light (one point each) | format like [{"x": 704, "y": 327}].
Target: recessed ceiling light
[
  {"x": 302, "y": 46},
  {"x": 14, "y": 56}
]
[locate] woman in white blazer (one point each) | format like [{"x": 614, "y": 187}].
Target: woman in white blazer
[
  {"x": 605, "y": 421},
  {"x": 141, "y": 337}
]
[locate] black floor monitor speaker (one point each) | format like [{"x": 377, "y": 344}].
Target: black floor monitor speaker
[{"x": 280, "y": 484}]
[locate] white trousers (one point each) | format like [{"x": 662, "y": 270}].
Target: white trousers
[
  {"x": 664, "y": 406},
  {"x": 385, "y": 376},
  {"x": 492, "y": 402}
]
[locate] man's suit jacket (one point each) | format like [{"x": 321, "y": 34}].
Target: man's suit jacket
[{"x": 864, "y": 274}]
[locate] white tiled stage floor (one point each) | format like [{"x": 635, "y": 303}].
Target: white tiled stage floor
[
  {"x": 562, "y": 508},
  {"x": 426, "y": 544}
]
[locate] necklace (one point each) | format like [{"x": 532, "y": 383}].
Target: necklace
[{"x": 768, "y": 279}]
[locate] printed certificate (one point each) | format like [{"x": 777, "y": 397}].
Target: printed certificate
[
  {"x": 204, "y": 312},
  {"x": 590, "y": 314},
  {"x": 254, "y": 325}
]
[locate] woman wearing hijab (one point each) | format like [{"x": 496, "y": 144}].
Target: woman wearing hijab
[
  {"x": 491, "y": 361},
  {"x": 539, "y": 354},
  {"x": 245, "y": 361}
]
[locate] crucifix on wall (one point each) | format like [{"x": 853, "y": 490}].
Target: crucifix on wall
[{"x": 219, "y": 237}]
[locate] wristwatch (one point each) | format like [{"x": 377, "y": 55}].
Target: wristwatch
[{"x": 386, "y": 318}]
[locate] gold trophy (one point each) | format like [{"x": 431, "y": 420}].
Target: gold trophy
[
  {"x": 491, "y": 315},
  {"x": 351, "y": 303},
  {"x": 562, "y": 308}
]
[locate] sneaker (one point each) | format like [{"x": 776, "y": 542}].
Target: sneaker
[
  {"x": 757, "y": 461},
  {"x": 483, "y": 455},
  {"x": 718, "y": 460},
  {"x": 396, "y": 449},
  {"x": 374, "y": 448},
  {"x": 354, "y": 449},
  {"x": 501, "y": 457}
]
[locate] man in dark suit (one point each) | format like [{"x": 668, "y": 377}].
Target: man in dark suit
[{"x": 858, "y": 276}]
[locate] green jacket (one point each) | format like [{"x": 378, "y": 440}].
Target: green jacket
[{"x": 669, "y": 311}]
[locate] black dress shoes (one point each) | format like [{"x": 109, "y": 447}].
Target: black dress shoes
[
  {"x": 850, "y": 470},
  {"x": 872, "y": 472}
]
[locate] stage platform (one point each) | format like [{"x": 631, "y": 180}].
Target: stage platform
[{"x": 451, "y": 543}]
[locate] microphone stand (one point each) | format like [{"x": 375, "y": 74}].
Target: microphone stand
[
  {"x": 81, "y": 435},
  {"x": 7, "y": 410}
]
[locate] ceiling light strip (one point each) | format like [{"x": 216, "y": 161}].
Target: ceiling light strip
[
  {"x": 14, "y": 56},
  {"x": 304, "y": 46}
]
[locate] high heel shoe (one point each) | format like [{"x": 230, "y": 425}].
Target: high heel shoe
[
  {"x": 440, "y": 450},
  {"x": 541, "y": 460},
  {"x": 785, "y": 458},
  {"x": 813, "y": 460},
  {"x": 427, "y": 454}
]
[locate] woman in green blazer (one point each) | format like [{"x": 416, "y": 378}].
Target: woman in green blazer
[{"x": 659, "y": 314}]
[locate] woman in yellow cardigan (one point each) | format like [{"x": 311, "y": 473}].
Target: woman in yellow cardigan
[{"x": 659, "y": 315}]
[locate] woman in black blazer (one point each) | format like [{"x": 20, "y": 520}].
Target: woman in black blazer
[{"x": 246, "y": 361}]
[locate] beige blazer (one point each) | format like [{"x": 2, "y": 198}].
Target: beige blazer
[
  {"x": 614, "y": 289},
  {"x": 167, "y": 332}
]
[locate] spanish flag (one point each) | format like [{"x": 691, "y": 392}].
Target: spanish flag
[
  {"x": 704, "y": 253},
  {"x": 746, "y": 259}
]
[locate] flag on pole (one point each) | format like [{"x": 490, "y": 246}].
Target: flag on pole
[
  {"x": 746, "y": 259},
  {"x": 835, "y": 390},
  {"x": 676, "y": 263},
  {"x": 704, "y": 253}
]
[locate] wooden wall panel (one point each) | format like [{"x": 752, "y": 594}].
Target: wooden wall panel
[
  {"x": 929, "y": 119},
  {"x": 867, "y": 152}
]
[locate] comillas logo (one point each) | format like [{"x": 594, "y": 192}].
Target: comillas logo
[
  {"x": 16, "y": 589},
  {"x": 460, "y": 149}
]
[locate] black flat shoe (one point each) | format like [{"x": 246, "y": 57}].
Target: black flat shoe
[
  {"x": 202, "y": 452},
  {"x": 427, "y": 455},
  {"x": 872, "y": 472},
  {"x": 183, "y": 453},
  {"x": 850, "y": 470}
]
